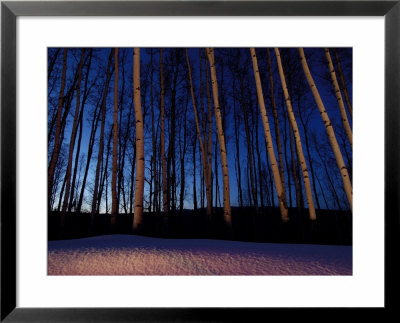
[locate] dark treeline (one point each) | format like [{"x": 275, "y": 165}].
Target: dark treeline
[{"x": 240, "y": 143}]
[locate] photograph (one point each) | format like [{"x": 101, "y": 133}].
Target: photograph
[{"x": 199, "y": 161}]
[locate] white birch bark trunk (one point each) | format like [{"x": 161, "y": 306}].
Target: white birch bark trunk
[
  {"x": 299, "y": 148},
  {"x": 221, "y": 139},
  {"x": 268, "y": 140},
  {"x": 339, "y": 98},
  {"x": 329, "y": 130},
  {"x": 138, "y": 210}
]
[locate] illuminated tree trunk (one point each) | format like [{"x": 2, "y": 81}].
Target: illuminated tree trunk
[
  {"x": 277, "y": 128},
  {"x": 221, "y": 139},
  {"x": 339, "y": 98},
  {"x": 344, "y": 87},
  {"x": 299, "y": 148},
  {"x": 268, "y": 140},
  {"x": 164, "y": 161},
  {"x": 57, "y": 146},
  {"x": 114, "y": 205},
  {"x": 138, "y": 211},
  {"x": 293, "y": 162},
  {"x": 329, "y": 130},
  {"x": 201, "y": 144}
]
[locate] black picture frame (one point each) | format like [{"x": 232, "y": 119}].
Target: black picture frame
[{"x": 10, "y": 10}]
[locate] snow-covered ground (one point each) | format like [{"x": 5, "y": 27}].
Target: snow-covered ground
[{"x": 138, "y": 255}]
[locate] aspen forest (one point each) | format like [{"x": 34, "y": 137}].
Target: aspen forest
[{"x": 237, "y": 144}]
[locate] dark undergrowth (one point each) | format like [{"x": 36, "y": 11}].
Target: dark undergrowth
[{"x": 332, "y": 227}]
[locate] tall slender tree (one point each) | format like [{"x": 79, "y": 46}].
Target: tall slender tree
[
  {"x": 57, "y": 146},
  {"x": 162, "y": 134},
  {"x": 268, "y": 140},
  {"x": 329, "y": 130},
  {"x": 339, "y": 98},
  {"x": 296, "y": 133},
  {"x": 343, "y": 82},
  {"x": 101, "y": 148},
  {"x": 277, "y": 127},
  {"x": 114, "y": 203},
  {"x": 138, "y": 211},
  {"x": 221, "y": 139},
  {"x": 202, "y": 145},
  {"x": 72, "y": 141},
  {"x": 80, "y": 125}
]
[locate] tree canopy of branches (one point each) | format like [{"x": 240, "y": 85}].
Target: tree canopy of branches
[{"x": 128, "y": 129}]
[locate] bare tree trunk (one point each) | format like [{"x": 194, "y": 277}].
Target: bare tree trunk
[
  {"x": 305, "y": 126},
  {"x": 60, "y": 199},
  {"x": 80, "y": 125},
  {"x": 122, "y": 165},
  {"x": 322, "y": 192},
  {"x": 92, "y": 137},
  {"x": 138, "y": 217},
  {"x": 259, "y": 165},
  {"x": 171, "y": 155},
  {"x": 52, "y": 62},
  {"x": 339, "y": 98},
  {"x": 104, "y": 174},
  {"x": 285, "y": 138},
  {"x": 216, "y": 176},
  {"x": 131, "y": 202},
  {"x": 153, "y": 177},
  {"x": 237, "y": 143},
  {"x": 114, "y": 203},
  {"x": 57, "y": 146},
  {"x": 182, "y": 159},
  {"x": 101, "y": 148},
  {"x": 72, "y": 142},
  {"x": 162, "y": 112},
  {"x": 221, "y": 139},
  {"x": 268, "y": 140},
  {"x": 253, "y": 200},
  {"x": 209, "y": 141},
  {"x": 277, "y": 128},
  {"x": 122, "y": 138},
  {"x": 299, "y": 200},
  {"x": 329, "y": 130},
  {"x": 344, "y": 87},
  {"x": 323, "y": 163},
  {"x": 299, "y": 148},
  {"x": 194, "y": 176},
  {"x": 201, "y": 144}
]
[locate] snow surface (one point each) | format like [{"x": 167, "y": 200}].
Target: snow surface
[{"x": 138, "y": 255}]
